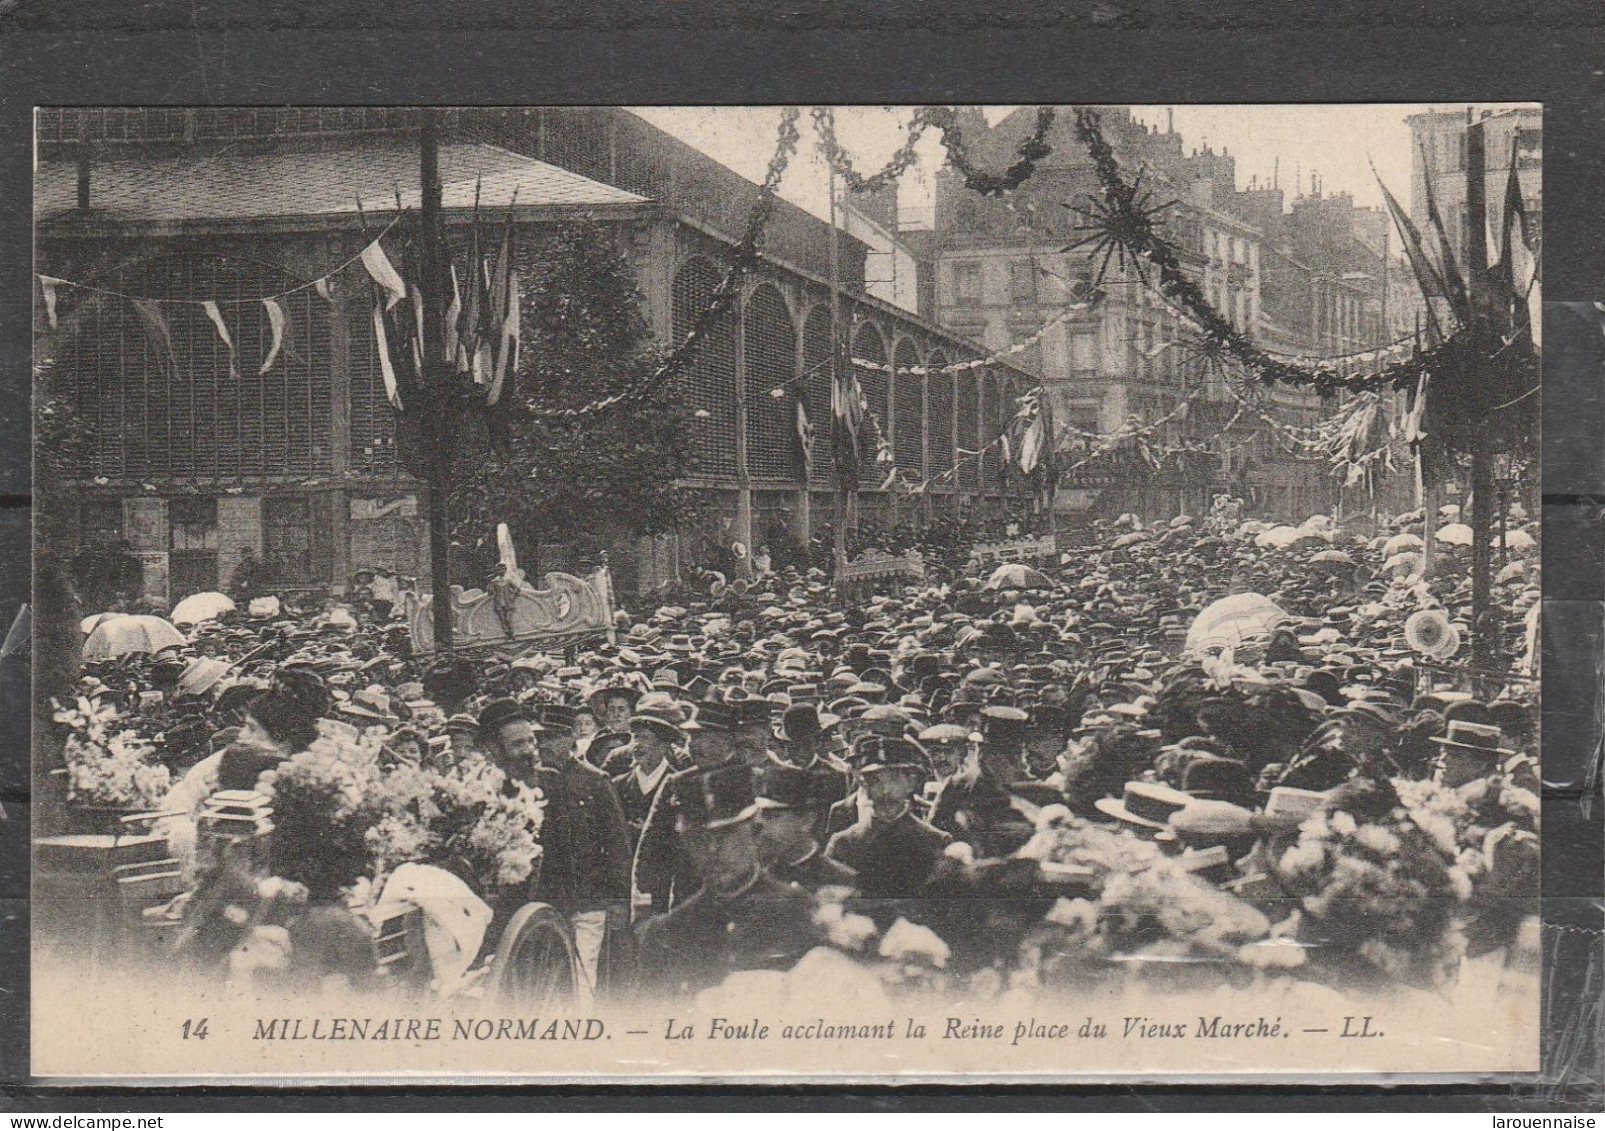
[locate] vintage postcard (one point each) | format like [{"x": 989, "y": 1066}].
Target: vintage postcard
[{"x": 804, "y": 593}]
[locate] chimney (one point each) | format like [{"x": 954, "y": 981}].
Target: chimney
[{"x": 1170, "y": 120}]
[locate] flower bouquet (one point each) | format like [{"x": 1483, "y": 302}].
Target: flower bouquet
[
  {"x": 1383, "y": 882},
  {"x": 1150, "y": 917},
  {"x": 110, "y": 769}
]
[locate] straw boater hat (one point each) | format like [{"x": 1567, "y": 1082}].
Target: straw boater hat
[{"x": 1147, "y": 805}]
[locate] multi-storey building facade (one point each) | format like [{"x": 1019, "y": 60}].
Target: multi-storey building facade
[{"x": 1002, "y": 274}]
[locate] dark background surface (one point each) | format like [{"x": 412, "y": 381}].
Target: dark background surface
[{"x": 895, "y": 51}]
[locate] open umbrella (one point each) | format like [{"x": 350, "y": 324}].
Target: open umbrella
[
  {"x": 87, "y": 625},
  {"x": 1127, "y": 540},
  {"x": 1335, "y": 557},
  {"x": 1401, "y": 542},
  {"x": 201, "y": 606},
  {"x": 121, "y": 635},
  {"x": 1406, "y": 561},
  {"x": 1013, "y": 575},
  {"x": 1518, "y": 540},
  {"x": 1455, "y": 534},
  {"x": 1234, "y": 620},
  {"x": 1252, "y": 526}
]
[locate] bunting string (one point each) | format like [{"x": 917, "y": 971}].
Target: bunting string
[{"x": 50, "y": 284}]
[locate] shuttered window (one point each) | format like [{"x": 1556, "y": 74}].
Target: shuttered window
[
  {"x": 769, "y": 343},
  {"x": 160, "y": 395},
  {"x": 709, "y": 384}
]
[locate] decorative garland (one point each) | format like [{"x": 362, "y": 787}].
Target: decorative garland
[
  {"x": 944, "y": 119},
  {"x": 836, "y": 157},
  {"x": 1125, "y": 227},
  {"x": 1033, "y": 149}
]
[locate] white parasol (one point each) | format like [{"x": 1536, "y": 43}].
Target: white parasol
[
  {"x": 1234, "y": 620},
  {"x": 201, "y": 606},
  {"x": 121, "y": 635}
]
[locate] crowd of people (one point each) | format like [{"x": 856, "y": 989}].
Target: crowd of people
[{"x": 1047, "y": 776}]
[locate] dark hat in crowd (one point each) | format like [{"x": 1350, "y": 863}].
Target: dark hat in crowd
[
  {"x": 714, "y": 799},
  {"x": 876, "y": 752},
  {"x": 781, "y": 786},
  {"x": 557, "y": 716},
  {"x": 497, "y": 714},
  {"x": 799, "y": 723},
  {"x": 1219, "y": 779}
]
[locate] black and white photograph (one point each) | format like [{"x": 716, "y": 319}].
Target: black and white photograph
[{"x": 790, "y": 593}]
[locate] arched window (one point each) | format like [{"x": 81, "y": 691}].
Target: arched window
[
  {"x": 869, "y": 346},
  {"x": 817, "y": 341},
  {"x": 770, "y": 343},
  {"x": 157, "y": 386},
  {"x": 908, "y": 393},
  {"x": 940, "y": 446},
  {"x": 968, "y": 386},
  {"x": 709, "y": 383},
  {"x": 991, "y": 427}
]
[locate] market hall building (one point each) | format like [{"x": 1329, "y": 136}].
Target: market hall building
[{"x": 200, "y": 457}]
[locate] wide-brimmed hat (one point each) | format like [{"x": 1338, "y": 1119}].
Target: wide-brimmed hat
[
  {"x": 1145, "y": 804},
  {"x": 601, "y": 695},
  {"x": 1479, "y": 738}
]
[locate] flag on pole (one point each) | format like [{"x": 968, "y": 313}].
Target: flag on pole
[
  {"x": 472, "y": 306},
  {"x": 382, "y": 344},
  {"x": 1454, "y": 283},
  {"x": 507, "y": 347},
  {"x": 452, "y": 349},
  {"x": 275, "y": 316},
  {"x": 1427, "y": 277},
  {"x": 48, "y": 284},
  {"x": 805, "y": 439},
  {"x": 847, "y": 409},
  {"x": 1032, "y": 443},
  {"x": 384, "y": 274},
  {"x": 1520, "y": 266}
]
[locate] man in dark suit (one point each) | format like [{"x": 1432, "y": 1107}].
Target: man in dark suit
[
  {"x": 792, "y": 806},
  {"x": 584, "y": 869},
  {"x": 976, "y": 806},
  {"x": 741, "y": 918},
  {"x": 893, "y": 851}
]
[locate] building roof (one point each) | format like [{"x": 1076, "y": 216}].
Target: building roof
[{"x": 236, "y": 186}]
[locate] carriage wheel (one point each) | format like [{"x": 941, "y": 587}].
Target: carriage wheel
[{"x": 535, "y": 964}]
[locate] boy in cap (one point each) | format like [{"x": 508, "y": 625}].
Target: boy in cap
[
  {"x": 793, "y": 805},
  {"x": 740, "y": 918}
]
